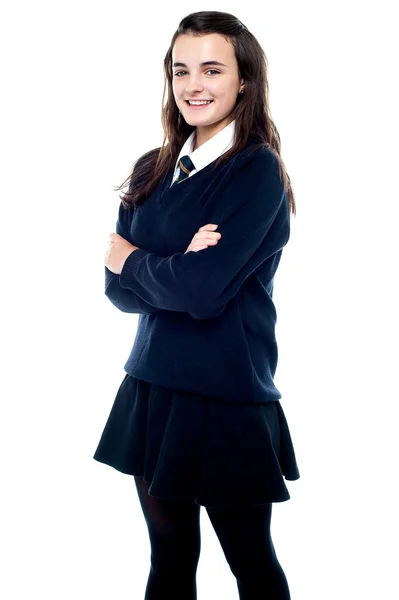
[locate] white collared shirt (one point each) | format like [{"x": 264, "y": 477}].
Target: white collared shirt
[{"x": 207, "y": 152}]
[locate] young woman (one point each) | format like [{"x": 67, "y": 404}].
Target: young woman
[{"x": 197, "y": 419}]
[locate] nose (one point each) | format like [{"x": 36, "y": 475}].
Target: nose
[{"x": 194, "y": 84}]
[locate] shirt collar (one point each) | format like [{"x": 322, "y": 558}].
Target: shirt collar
[{"x": 210, "y": 150}]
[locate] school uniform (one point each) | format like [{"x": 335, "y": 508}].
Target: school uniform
[{"x": 198, "y": 414}]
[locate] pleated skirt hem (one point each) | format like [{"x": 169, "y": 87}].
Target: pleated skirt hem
[{"x": 187, "y": 446}]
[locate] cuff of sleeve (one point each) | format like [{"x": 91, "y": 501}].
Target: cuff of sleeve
[{"x": 130, "y": 267}]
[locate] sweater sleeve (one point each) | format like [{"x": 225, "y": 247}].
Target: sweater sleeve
[
  {"x": 253, "y": 218},
  {"x": 126, "y": 300}
]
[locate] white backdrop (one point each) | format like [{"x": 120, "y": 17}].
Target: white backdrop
[{"x": 82, "y": 85}]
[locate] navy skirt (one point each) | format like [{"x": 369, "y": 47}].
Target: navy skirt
[{"x": 187, "y": 446}]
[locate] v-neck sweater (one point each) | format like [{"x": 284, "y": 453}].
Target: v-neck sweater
[{"x": 207, "y": 318}]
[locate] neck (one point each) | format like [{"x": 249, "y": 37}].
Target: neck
[{"x": 206, "y": 132}]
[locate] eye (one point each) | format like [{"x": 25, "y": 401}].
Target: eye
[{"x": 214, "y": 71}]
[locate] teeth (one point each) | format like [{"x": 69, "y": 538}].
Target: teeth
[{"x": 196, "y": 102}]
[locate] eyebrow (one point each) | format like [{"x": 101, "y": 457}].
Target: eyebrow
[{"x": 204, "y": 64}]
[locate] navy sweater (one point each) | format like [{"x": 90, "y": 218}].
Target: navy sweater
[{"x": 207, "y": 318}]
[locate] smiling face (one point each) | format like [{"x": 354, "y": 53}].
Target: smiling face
[{"x": 205, "y": 68}]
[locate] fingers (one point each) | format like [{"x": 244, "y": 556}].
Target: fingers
[
  {"x": 210, "y": 227},
  {"x": 207, "y": 233},
  {"x": 205, "y": 237},
  {"x": 200, "y": 241},
  {"x": 208, "y": 236}
]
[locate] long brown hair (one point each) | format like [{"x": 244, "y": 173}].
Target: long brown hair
[{"x": 251, "y": 111}]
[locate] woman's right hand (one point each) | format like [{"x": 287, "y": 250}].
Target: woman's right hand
[{"x": 206, "y": 236}]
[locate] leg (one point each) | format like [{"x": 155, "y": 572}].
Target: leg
[
  {"x": 244, "y": 533},
  {"x": 174, "y": 531}
]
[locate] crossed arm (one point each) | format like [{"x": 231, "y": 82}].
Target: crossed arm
[{"x": 202, "y": 283}]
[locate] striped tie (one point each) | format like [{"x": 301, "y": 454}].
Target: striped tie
[{"x": 186, "y": 166}]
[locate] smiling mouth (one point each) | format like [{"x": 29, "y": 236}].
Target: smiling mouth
[{"x": 188, "y": 102}]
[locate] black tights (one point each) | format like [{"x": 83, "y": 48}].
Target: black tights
[{"x": 244, "y": 534}]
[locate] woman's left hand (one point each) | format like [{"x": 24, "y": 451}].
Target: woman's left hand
[{"x": 119, "y": 250}]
